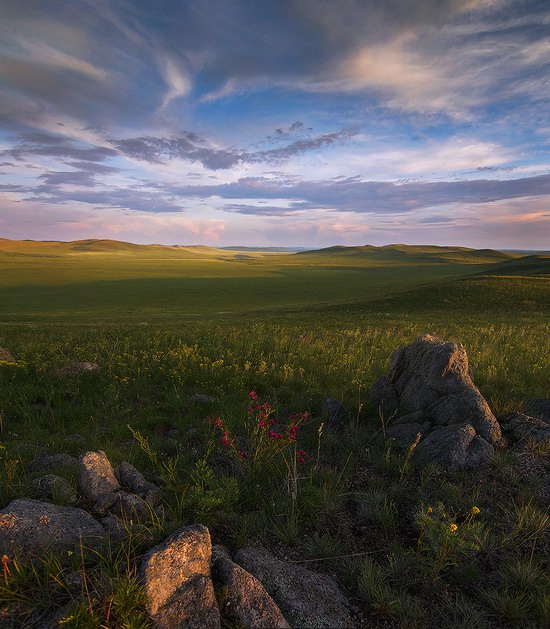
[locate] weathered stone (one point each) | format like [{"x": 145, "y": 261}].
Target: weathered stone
[
  {"x": 538, "y": 407},
  {"x": 201, "y": 398},
  {"x": 383, "y": 396},
  {"x": 28, "y": 528},
  {"x": 56, "y": 488},
  {"x": 306, "y": 598},
  {"x": 405, "y": 434},
  {"x": 133, "y": 480},
  {"x": 520, "y": 427},
  {"x": 178, "y": 585},
  {"x": 96, "y": 476},
  {"x": 453, "y": 447},
  {"x": 74, "y": 369},
  {"x": 334, "y": 412},
  {"x": 6, "y": 356},
  {"x": 246, "y": 602},
  {"x": 52, "y": 461},
  {"x": 433, "y": 375}
]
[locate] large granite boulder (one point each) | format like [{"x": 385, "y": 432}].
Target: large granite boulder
[
  {"x": 177, "y": 580},
  {"x": 245, "y": 600},
  {"x": 431, "y": 379},
  {"x": 28, "y": 528},
  {"x": 306, "y": 598}
]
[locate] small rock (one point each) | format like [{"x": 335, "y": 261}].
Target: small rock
[
  {"x": 201, "y": 398},
  {"x": 96, "y": 476},
  {"x": 520, "y": 427},
  {"x": 74, "y": 369},
  {"x": 247, "y": 604},
  {"x": 306, "y": 598},
  {"x": 52, "y": 461},
  {"x": 76, "y": 438},
  {"x": 6, "y": 356},
  {"x": 178, "y": 585},
  {"x": 28, "y": 528},
  {"x": 133, "y": 480},
  {"x": 56, "y": 488},
  {"x": 453, "y": 447},
  {"x": 334, "y": 412},
  {"x": 129, "y": 507}
]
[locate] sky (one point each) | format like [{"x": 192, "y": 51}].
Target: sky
[{"x": 298, "y": 123}]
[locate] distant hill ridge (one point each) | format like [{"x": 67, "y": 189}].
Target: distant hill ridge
[{"x": 385, "y": 253}]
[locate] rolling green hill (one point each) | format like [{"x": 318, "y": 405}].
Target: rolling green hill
[{"x": 112, "y": 280}]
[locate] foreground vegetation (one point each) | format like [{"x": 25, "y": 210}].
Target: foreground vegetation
[{"x": 411, "y": 548}]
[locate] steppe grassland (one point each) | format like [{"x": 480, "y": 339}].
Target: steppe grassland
[{"x": 295, "y": 357}]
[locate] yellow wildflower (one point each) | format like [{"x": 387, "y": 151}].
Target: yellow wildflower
[
  {"x": 474, "y": 511},
  {"x": 453, "y": 528},
  {"x": 430, "y": 509}
]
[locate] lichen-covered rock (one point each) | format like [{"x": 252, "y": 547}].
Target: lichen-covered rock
[
  {"x": 96, "y": 476},
  {"x": 246, "y": 601},
  {"x": 453, "y": 447},
  {"x": 48, "y": 462},
  {"x": 306, "y": 598},
  {"x": 520, "y": 427},
  {"x": 56, "y": 488},
  {"x": 177, "y": 580},
  {"x": 28, "y": 528}
]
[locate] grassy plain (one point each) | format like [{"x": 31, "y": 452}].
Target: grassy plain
[{"x": 165, "y": 323}]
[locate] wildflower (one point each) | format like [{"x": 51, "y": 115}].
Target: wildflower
[
  {"x": 243, "y": 454},
  {"x": 430, "y": 510},
  {"x": 293, "y": 431},
  {"x": 453, "y": 528},
  {"x": 302, "y": 456},
  {"x": 5, "y": 562},
  {"x": 274, "y": 435},
  {"x": 253, "y": 395},
  {"x": 218, "y": 423},
  {"x": 475, "y": 511},
  {"x": 225, "y": 441}
]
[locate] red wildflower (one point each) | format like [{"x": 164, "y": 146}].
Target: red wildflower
[
  {"x": 225, "y": 441},
  {"x": 253, "y": 395},
  {"x": 243, "y": 454},
  {"x": 275, "y": 435},
  {"x": 218, "y": 423}
]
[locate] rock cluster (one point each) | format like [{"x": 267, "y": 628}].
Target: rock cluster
[
  {"x": 189, "y": 584},
  {"x": 28, "y": 527}
]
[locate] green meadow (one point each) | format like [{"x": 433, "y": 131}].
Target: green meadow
[{"x": 164, "y": 323}]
